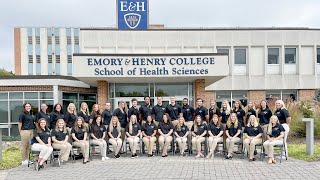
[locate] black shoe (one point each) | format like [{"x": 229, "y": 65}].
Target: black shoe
[
  {"x": 255, "y": 152},
  {"x": 253, "y": 159},
  {"x": 117, "y": 156},
  {"x": 135, "y": 155},
  {"x": 166, "y": 155},
  {"x": 163, "y": 155},
  {"x": 226, "y": 157},
  {"x": 150, "y": 155},
  {"x": 41, "y": 166}
]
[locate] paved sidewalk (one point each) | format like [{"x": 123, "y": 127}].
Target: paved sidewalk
[{"x": 172, "y": 168}]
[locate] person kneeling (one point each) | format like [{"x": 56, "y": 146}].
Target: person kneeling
[{"x": 98, "y": 135}]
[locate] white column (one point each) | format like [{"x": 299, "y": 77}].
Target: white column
[{"x": 56, "y": 94}]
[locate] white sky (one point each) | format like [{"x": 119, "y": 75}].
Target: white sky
[{"x": 171, "y": 13}]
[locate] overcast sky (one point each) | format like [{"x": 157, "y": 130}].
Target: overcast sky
[{"x": 171, "y": 13}]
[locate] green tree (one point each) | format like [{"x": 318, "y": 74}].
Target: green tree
[{"x": 3, "y": 72}]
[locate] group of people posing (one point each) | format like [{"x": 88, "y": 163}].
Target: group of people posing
[{"x": 225, "y": 125}]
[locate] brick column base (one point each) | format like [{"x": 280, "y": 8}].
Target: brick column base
[
  {"x": 306, "y": 94},
  {"x": 199, "y": 90},
  {"x": 256, "y": 96},
  {"x": 103, "y": 91}
]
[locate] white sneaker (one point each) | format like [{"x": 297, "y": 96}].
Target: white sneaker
[
  {"x": 106, "y": 158},
  {"x": 25, "y": 162},
  {"x": 103, "y": 159}
]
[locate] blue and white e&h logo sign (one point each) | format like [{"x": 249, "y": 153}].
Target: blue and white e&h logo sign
[{"x": 132, "y": 14}]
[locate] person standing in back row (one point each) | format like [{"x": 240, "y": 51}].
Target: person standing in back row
[
  {"x": 134, "y": 109},
  {"x": 43, "y": 114},
  {"x": 158, "y": 111},
  {"x": 145, "y": 110},
  {"x": 106, "y": 115},
  {"x": 174, "y": 110},
  {"x": 188, "y": 113},
  {"x": 202, "y": 111},
  {"x": 241, "y": 115}
]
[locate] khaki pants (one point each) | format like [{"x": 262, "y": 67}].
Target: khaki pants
[
  {"x": 269, "y": 146},
  {"x": 265, "y": 128},
  {"x": 116, "y": 145},
  {"x": 189, "y": 124},
  {"x": 196, "y": 142},
  {"x": 26, "y": 135},
  {"x": 230, "y": 144},
  {"x": 102, "y": 146},
  {"x": 175, "y": 122},
  {"x": 149, "y": 143},
  {"x": 156, "y": 123},
  {"x": 182, "y": 142},
  {"x": 45, "y": 151},
  {"x": 84, "y": 146},
  {"x": 64, "y": 150},
  {"x": 164, "y": 143},
  {"x": 213, "y": 143},
  {"x": 133, "y": 142},
  {"x": 250, "y": 145}
]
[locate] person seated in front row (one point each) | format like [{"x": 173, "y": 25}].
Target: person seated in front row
[
  {"x": 181, "y": 132},
  {"x": 114, "y": 133},
  {"x": 133, "y": 131},
  {"x": 215, "y": 133},
  {"x": 233, "y": 132},
  {"x": 198, "y": 131},
  {"x": 149, "y": 131},
  {"x": 98, "y": 135},
  {"x": 79, "y": 136},
  {"x": 252, "y": 134},
  {"x": 165, "y": 130}
]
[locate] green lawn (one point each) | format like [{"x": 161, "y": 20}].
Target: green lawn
[
  {"x": 11, "y": 158},
  {"x": 298, "y": 151}
]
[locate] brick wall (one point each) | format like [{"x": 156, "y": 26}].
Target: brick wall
[
  {"x": 17, "y": 51},
  {"x": 256, "y": 96},
  {"x": 103, "y": 91},
  {"x": 306, "y": 94},
  {"x": 208, "y": 96},
  {"x": 77, "y": 89},
  {"x": 26, "y": 88},
  {"x": 199, "y": 89}
]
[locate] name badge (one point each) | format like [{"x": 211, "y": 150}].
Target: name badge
[
  {"x": 101, "y": 129},
  {"x": 163, "y": 109}
]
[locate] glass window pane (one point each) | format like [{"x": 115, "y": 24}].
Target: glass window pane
[
  {"x": 89, "y": 103},
  {"x": 90, "y": 97},
  {"x": 31, "y": 95},
  {"x": 49, "y": 32},
  {"x": 16, "y": 95},
  {"x": 5, "y": 132},
  {"x": 70, "y": 95},
  {"x": 37, "y": 46},
  {"x": 29, "y": 31},
  {"x": 273, "y": 55},
  {"x": 239, "y": 56},
  {"x": 56, "y": 31},
  {"x": 132, "y": 90},
  {"x": 49, "y": 68},
  {"x": 290, "y": 55},
  {"x": 69, "y": 49},
  {"x": 221, "y": 96},
  {"x": 65, "y": 104},
  {"x": 49, "y": 104},
  {"x": 30, "y": 68},
  {"x": 15, "y": 110},
  {"x": 111, "y": 90},
  {"x": 76, "y": 48},
  {"x": 76, "y": 32},
  {"x": 14, "y": 132},
  {"x": 4, "y": 111},
  {"x": 49, "y": 49},
  {"x": 30, "y": 49},
  {"x": 57, "y": 68},
  {"x": 57, "y": 49},
  {"x": 46, "y": 95},
  {"x": 4, "y": 95},
  {"x": 34, "y": 106},
  {"x": 273, "y": 94},
  {"x": 38, "y": 68},
  {"x": 225, "y": 51},
  {"x": 318, "y": 55},
  {"x": 241, "y": 96},
  {"x": 171, "y": 89},
  {"x": 69, "y": 68},
  {"x": 37, "y": 31},
  {"x": 68, "y": 31},
  {"x": 289, "y": 95}
]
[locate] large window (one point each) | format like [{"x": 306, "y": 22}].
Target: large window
[
  {"x": 273, "y": 55},
  {"x": 240, "y": 56},
  {"x": 290, "y": 55},
  {"x": 77, "y": 99},
  {"x": 285, "y": 95},
  {"x": 231, "y": 97}
]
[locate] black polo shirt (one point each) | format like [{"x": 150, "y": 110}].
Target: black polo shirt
[
  {"x": 60, "y": 135},
  {"x": 94, "y": 116},
  {"x": 184, "y": 129},
  {"x": 212, "y": 112},
  {"x": 224, "y": 116},
  {"x": 40, "y": 115},
  {"x": 149, "y": 128},
  {"x": 276, "y": 130},
  {"x": 240, "y": 114},
  {"x": 282, "y": 115},
  {"x": 215, "y": 130},
  {"x": 174, "y": 111},
  {"x": 135, "y": 129},
  {"x": 106, "y": 116},
  {"x": 145, "y": 111},
  {"x": 54, "y": 116},
  {"x": 85, "y": 116},
  {"x": 79, "y": 134},
  {"x": 253, "y": 131},
  {"x": 115, "y": 132},
  {"x": 27, "y": 121},
  {"x": 202, "y": 111},
  {"x": 165, "y": 127},
  {"x": 157, "y": 112},
  {"x": 188, "y": 112},
  {"x": 201, "y": 129},
  {"x": 44, "y": 135},
  {"x": 264, "y": 116},
  {"x": 97, "y": 131},
  {"x": 70, "y": 119},
  {"x": 251, "y": 112},
  {"x": 122, "y": 116},
  {"x": 133, "y": 111},
  {"x": 233, "y": 131}
]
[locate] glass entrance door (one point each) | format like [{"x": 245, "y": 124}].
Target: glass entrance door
[{"x": 128, "y": 101}]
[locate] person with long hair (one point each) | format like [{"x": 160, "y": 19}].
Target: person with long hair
[
  {"x": 275, "y": 134},
  {"x": 181, "y": 132},
  {"x": 264, "y": 115},
  {"x": 225, "y": 112},
  {"x": 250, "y": 110},
  {"x": 71, "y": 116},
  {"x": 149, "y": 131},
  {"x": 215, "y": 132},
  {"x": 60, "y": 139},
  {"x": 42, "y": 142},
  {"x": 198, "y": 131},
  {"x": 214, "y": 109},
  {"x": 26, "y": 127},
  {"x": 133, "y": 131},
  {"x": 94, "y": 114},
  {"x": 43, "y": 113},
  {"x": 233, "y": 131},
  {"x": 122, "y": 114},
  {"x": 252, "y": 136},
  {"x": 79, "y": 136},
  {"x": 241, "y": 115},
  {"x": 98, "y": 135},
  {"x": 114, "y": 133},
  {"x": 55, "y": 115},
  {"x": 84, "y": 112},
  {"x": 165, "y": 130}
]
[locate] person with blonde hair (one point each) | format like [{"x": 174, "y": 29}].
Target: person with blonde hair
[
  {"x": 98, "y": 136},
  {"x": 84, "y": 112},
  {"x": 165, "y": 130},
  {"x": 114, "y": 133},
  {"x": 214, "y": 109},
  {"x": 71, "y": 116},
  {"x": 122, "y": 114},
  {"x": 264, "y": 116},
  {"x": 215, "y": 132},
  {"x": 225, "y": 112},
  {"x": 250, "y": 110},
  {"x": 181, "y": 133},
  {"x": 79, "y": 135},
  {"x": 198, "y": 131},
  {"x": 149, "y": 131},
  {"x": 252, "y": 135},
  {"x": 233, "y": 132},
  {"x": 133, "y": 131},
  {"x": 284, "y": 119},
  {"x": 241, "y": 115},
  {"x": 60, "y": 138},
  {"x": 275, "y": 134}
]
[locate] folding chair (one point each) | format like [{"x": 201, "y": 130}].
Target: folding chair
[
  {"x": 221, "y": 151},
  {"x": 128, "y": 144},
  {"x": 282, "y": 148},
  {"x": 33, "y": 154},
  {"x": 257, "y": 145}
]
